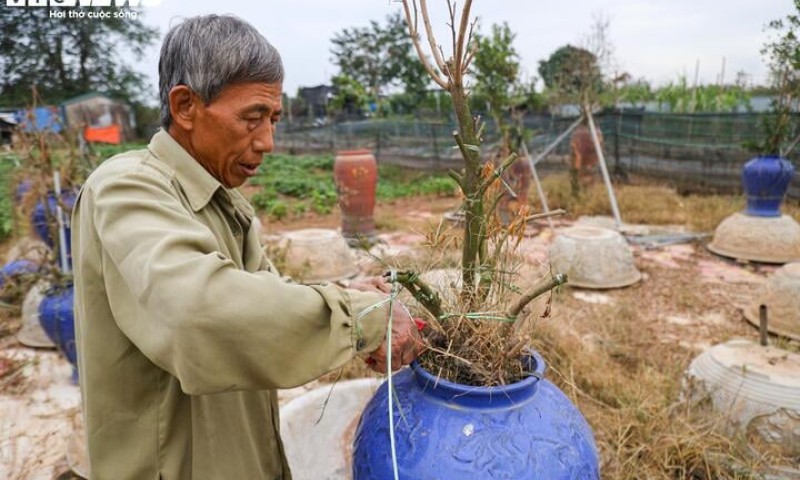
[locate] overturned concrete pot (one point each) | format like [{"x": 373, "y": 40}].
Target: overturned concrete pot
[
  {"x": 28, "y": 248},
  {"x": 315, "y": 255},
  {"x": 593, "y": 257},
  {"x": 755, "y": 389},
  {"x": 32, "y": 334},
  {"x": 758, "y": 239},
  {"x": 781, "y": 295},
  {"x": 317, "y": 429}
]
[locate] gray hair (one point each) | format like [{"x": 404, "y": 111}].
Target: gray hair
[{"x": 208, "y": 53}]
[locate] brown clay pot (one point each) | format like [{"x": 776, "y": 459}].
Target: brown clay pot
[
  {"x": 584, "y": 156},
  {"x": 356, "y": 175}
]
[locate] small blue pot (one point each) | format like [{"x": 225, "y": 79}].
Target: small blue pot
[
  {"x": 16, "y": 268},
  {"x": 41, "y": 227},
  {"x": 447, "y": 431},
  {"x": 58, "y": 321},
  {"x": 23, "y": 187},
  {"x": 765, "y": 180}
]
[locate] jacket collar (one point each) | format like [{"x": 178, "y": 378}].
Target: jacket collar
[{"x": 198, "y": 185}]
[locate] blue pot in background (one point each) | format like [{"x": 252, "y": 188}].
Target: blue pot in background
[
  {"x": 526, "y": 430},
  {"x": 58, "y": 321},
  {"x": 16, "y": 268},
  {"x": 42, "y": 228},
  {"x": 23, "y": 187},
  {"x": 765, "y": 180}
]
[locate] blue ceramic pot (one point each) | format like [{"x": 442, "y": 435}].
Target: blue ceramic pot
[
  {"x": 765, "y": 181},
  {"x": 42, "y": 228},
  {"x": 16, "y": 268},
  {"x": 446, "y": 431},
  {"x": 23, "y": 187},
  {"x": 58, "y": 321}
]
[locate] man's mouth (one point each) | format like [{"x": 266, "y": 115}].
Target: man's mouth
[{"x": 250, "y": 169}]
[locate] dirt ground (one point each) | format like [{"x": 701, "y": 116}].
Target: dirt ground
[{"x": 688, "y": 300}]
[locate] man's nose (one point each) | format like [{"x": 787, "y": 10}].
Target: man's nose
[{"x": 264, "y": 140}]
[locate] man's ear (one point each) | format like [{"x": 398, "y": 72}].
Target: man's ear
[{"x": 183, "y": 104}]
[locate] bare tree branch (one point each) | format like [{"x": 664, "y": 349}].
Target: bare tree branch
[
  {"x": 451, "y": 9},
  {"x": 415, "y": 38},
  {"x": 426, "y": 19},
  {"x": 462, "y": 37},
  {"x": 544, "y": 286}
]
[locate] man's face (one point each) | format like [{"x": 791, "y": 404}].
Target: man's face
[{"x": 231, "y": 134}]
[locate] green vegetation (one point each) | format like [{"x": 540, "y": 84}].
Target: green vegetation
[
  {"x": 7, "y": 190},
  {"x": 294, "y": 185},
  {"x": 782, "y": 53},
  {"x": 104, "y": 152}
]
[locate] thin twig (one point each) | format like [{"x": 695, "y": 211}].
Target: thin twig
[
  {"x": 497, "y": 173},
  {"x": 415, "y": 39},
  {"x": 426, "y": 20},
  {"x": 551, "y": 213},
  {"x": 536, "y": 291},
  {"x": 421, "y": 292},
  {"x": 459, "y": 54}
]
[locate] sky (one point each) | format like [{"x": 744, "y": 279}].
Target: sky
[{"x": 658, "y": 40}]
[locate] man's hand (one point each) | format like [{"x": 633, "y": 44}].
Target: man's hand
[
  {"x": 406, "y": 342},
  {"x": 371, "y": 284}
]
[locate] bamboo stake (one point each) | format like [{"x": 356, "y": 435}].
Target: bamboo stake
[
  {"x": 539, "y": 189},
  {"x": 62, "y": 236},
  {"x": 557, "y": 141},
  {"x": 604, "y": 169}
]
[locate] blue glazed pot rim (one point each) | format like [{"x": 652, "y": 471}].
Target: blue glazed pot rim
[{"x": 497, "y": 396}]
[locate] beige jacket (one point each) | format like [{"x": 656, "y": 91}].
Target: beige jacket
[{"x": 185, "y": 329}]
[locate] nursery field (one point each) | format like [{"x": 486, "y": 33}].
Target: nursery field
[{"x": 619, "y": 354}]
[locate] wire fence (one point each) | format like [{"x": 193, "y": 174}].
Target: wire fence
[{"x": 692, "y": 152}]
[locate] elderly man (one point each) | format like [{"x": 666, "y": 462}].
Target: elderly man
[{"x": 184, "y": 328}]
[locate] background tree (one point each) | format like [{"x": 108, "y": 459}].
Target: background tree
[
  {"x": 570, "y": 72},
  {"x": 782, "y": 53},
  {"x": 496, "y": 71},
  {"x": 380, "y": 57},
  {"x": 351, "y": 97},
  {"x": 66, "y": 57},
  {"x": 498, "y": 83}
]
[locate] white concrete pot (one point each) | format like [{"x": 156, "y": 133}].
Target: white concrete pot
[
  {"x": 781, "y": 295},
  {"x": 759, "y": 239},
  {"x": 316, "y": 255},
  {"x": 318, "y": 436},
  {"x": 756, "y": 389},
  {"x": 593, "y": 257},
  {"x": 32, "y": 334}
]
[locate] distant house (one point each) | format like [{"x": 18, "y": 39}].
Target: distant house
[
  {"x": 7, "y": 125},
  {"x": 317, "y": 99},
  {"x": 102, "y": 118}
]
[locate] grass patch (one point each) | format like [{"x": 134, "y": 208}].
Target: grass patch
[
  {"x": 293, "y": 185},
  {"x": 645, "y": 202}
]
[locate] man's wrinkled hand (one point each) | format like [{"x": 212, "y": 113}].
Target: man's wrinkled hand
[
  {"x": 371, "y": 284},
  {"x": 406, "y": 342}
]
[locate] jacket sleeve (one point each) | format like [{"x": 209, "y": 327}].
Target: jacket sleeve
[{"x": 192, "y": 312}]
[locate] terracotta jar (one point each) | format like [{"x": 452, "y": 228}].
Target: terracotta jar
[{"x": 356, "y": 175}]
